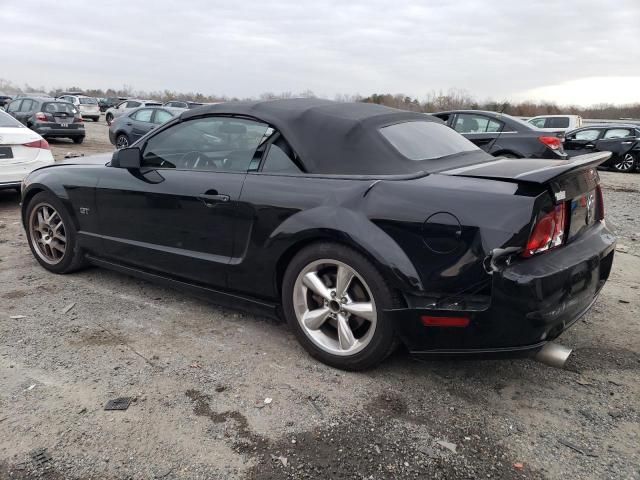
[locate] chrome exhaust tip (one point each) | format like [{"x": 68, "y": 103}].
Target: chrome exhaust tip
[{"x": 553, "y": 354}]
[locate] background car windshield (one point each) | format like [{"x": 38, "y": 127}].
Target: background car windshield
[
  {"x": 426, "y": 140},
  {"x": 55, "y": 107},
  {"x": 87, "y": 101},
  {"x": 7, "y": 120}
]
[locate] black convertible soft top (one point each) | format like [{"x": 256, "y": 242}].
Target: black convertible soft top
[{"x": 332, "y": 137}]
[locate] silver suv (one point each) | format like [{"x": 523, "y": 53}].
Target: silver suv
[{"x": 88, "y": 106}]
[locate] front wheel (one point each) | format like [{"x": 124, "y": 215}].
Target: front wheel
[
  {"x": 626, "y": 164},
  {"x": 51, "y": 234},
  {"x": 334, "y": 299}
]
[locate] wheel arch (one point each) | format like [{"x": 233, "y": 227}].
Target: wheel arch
[
  {"x": 352, "y": 230},
  {"x": 34, "y": 189}
]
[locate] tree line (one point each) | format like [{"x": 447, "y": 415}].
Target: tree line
[{"x": 433, "y": 101}]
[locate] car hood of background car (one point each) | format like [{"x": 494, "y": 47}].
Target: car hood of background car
[{"x": 334, "y": 138}]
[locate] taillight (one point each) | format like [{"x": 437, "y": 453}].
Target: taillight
[
  {"x": 548, "y": 232},
  {"x": 554, "y": 143},
  {"x": 38, "y": 144},
  {"x": 41, "y": 117},
  {"x": 600, "y": 206}
]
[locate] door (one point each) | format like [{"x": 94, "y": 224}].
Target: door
[
  {"x": 179, "y": 213},
  {"x": 479, "y": 129},
  {"x": 619, "y": 141},
  {"x": 139, "y": 123},
  {"x": 13, "y": 108},
  {"x": 582, "y": 141}
]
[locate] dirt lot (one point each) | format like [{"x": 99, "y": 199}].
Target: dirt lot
[{"x": 202, "y": 377}]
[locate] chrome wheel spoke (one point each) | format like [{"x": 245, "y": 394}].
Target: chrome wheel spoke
[
  {"x": 344, "y": 276},
  {"x": 48, "y": 236},
  {"x": 345, "y": 335},
  {"x": 314, "y": 319},
  {"x": 360, "y": 309},
  {"x": 313, "y": 282}
]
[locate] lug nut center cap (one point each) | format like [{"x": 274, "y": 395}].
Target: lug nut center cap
[{"x": 334, "y": 306}]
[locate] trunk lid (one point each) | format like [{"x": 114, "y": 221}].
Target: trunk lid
[
  {"x": 12, "y": 149},
  {"x": 572, "y": 184}
]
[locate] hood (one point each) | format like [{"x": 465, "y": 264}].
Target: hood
[{"x": 98, "y": 159}]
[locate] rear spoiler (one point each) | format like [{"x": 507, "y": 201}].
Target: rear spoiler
[{"x": 530, "y": 169}]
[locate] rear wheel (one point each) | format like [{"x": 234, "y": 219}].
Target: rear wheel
[
  {"x": 626, "y": 164},
  {"x": 78, "y": 140},
  {"x": 109, "y": 118},
  {"x": 334, "y": 299},
  {"x": 52, "y": 236},
  {"x": 122, "y": 141}
]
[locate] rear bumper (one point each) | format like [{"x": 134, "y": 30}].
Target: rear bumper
[
  {"x": 532, "y": 302},
  {"x": 49, "y": 132}
]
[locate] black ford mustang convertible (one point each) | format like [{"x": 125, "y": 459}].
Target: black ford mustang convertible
[{"x": 363, "y": 226}]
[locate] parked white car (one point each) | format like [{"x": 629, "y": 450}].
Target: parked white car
[
  {"x": 21, "y": 151},
  {"x": 556, "y": 123},
  {"x": 126, "y": 106},
  {"x": 87, "y": 106}
]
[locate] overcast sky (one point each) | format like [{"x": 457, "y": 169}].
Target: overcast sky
[{"x": 568, "y": 51}]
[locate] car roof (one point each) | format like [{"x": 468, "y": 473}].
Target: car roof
[
  {"x": 553, "y": 116},
  {"x": 329, "y": 137},
  {"x": 609, "y": 125}
]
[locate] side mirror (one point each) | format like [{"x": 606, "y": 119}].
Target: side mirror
[{"x": 127, "y": 158}]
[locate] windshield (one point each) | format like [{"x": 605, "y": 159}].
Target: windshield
[
  {"x": 87, "y": 101},
  {"x": 417, "y": 140},
  {"x": 7, "y": 120}
]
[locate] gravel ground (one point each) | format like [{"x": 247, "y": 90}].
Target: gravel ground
[{"x": 218, "y": 394}]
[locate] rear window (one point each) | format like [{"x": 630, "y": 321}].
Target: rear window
[
  {"x": 87, "y": 101},
  {"x": 418, "y": 140},
  {"x": 7, "y": 120},
  {"x": 152, "y": 104},
  {"x": 55, "y": 107}
]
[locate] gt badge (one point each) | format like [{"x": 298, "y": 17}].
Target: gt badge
[{"x": 84, "y": 210}]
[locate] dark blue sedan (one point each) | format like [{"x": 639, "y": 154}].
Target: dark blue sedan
[{"x": 128, "y": 128}]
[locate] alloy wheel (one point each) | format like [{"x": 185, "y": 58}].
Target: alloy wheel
[
  {"x": 334, "y": 307},
  {"x": 626, "y": 163},
  {"x": 48, "y": 235},
  {"x": 122, "y": 142}
]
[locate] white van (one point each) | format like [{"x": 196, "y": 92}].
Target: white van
[{"x": 556, "y": 123}]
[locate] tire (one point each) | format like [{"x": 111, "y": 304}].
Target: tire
[
  {"x": 51, "y": 258},
  {"x": 78, "y": 140},
  {"x": 122, "y": 141},
  {"x": 108, "y": 118},
  {"x": 626, "y": 164},
  {"x": 325, "y": 340}
]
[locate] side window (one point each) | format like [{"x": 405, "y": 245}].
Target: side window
[
  {"x": 143, "y": 115},
  {"x": 557, "y": 122},
  {"x": 279, "y": 159},
  {"x": 26, "y": 105},
  {"x": 589, "y": 135},
  {"x": 538, "y": 122},
  {"x": 133, "y": 104},
  {"x": 162, "y": 116},
  {"x": 617, "y": 133},
  {"x": 14, "y": 106},
  {"x": 469, "y": 123},
  {"x": 211, "y": 144}
]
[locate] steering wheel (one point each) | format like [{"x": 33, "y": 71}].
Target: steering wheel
[{"x": 195, "y": 160}]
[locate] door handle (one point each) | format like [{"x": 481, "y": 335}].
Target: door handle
[
  {"x": 589, "y": 145},
  {"x": 627, "y": 143},
  {"x": 129, "y": 124},
  {"x": 211, "y": 200}
]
